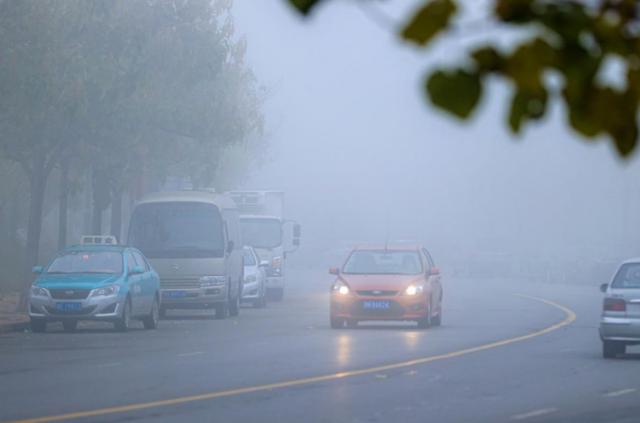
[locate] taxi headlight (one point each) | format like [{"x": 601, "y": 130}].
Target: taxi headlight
[
  {"x": 105, "y": 291},
  {"x": 340, "y": 288},
  {"x": 250, "y": 278},
  {"x": 212, "y": 281},
  {"x": 414, "y": 289},
  {"x": 36, "y": 291}
]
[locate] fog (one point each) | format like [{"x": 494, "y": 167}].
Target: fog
[{"x": 362, "y": 157}]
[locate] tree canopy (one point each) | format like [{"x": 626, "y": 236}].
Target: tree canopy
[
  {"x": 567, "y": 40},
  {"x": 127, "y": 93}
]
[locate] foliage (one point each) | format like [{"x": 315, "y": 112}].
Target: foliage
[
  {"x": 569, "y": 39},
  {"x": 120, "y": 90}
]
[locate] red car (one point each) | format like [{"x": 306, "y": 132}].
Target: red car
[{"x": 387, "y": 283}]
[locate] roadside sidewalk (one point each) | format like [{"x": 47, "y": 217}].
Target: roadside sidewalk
[{"x": 10, "y": 321}]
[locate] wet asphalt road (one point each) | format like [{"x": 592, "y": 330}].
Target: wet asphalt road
[{"x": 556, "y": 377}]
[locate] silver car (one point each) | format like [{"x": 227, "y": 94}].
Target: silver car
[
  {"x": 254, "y": 289},
  {"x": 620, "y": 324}
]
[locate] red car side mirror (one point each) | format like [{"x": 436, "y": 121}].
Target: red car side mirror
[
  {"x": 334, "y": 271},
  {"x": 435, "y": 271}
]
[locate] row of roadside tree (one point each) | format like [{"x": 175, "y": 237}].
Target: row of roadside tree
[{"x": 102, "y": 101}]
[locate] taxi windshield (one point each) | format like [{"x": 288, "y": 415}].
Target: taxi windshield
[
  {"x": 87, "y": 262},
  {"x": 383, "y": 263}
]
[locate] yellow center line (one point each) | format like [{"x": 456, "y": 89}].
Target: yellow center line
[{"x": 570, "y": 316}]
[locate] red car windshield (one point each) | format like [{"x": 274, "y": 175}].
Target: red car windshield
[{"x": 365, "y": 262}]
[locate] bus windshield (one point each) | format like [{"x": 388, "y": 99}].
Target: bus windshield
[{"x": 177, "y": 230}]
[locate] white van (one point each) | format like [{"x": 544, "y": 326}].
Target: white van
[{"x": 192, "y": 239}]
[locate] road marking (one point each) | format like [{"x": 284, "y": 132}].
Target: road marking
[
  {"x": 570, "y": 316},
  {"x": 190, "y": 354},
  {"x": 109, "y": 364},
  {"x": 534, "y": 413},
  {"x": 620, "y": 392}
]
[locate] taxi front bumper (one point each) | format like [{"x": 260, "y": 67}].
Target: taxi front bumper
[{"x": 91, "y": 308}]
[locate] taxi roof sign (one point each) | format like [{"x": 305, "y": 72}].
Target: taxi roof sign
[{"x": 98, "y": 240}]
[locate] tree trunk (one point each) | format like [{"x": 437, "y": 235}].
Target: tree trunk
[
  {"x": 37, "y": 186},
  {"x": 96, "y": 220},
  {"x": 101, "y": 198},
  {"x": 116, "y": 214},
  {"x": 63, "y": 205}
]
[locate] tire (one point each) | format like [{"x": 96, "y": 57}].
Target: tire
[
  {"x": 123, "y": 323},
  {"x": 151, "y": 320},
  {"x": 336, "y": 322},
  {"x": 425, "y": 322},
  {"x": 222, "y": 311},
  {"x": 163, "y": 312},
  {"x": 437, "y": 320},
  {"x": 38, "y": 325},
  {"x": 70, "y": 325},
  {"x": 276, "y": 294},
  {"x": 234, "y": 304},
  {"x": 262, "y": 301},
  {"x": 610, "y": 349},
  {"x": 352, "y": 324}
]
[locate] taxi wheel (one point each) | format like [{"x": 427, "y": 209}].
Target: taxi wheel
[
  {"x": 337, "y": 323},
  {"x": 38, "y": 325},
  {"x": 151, "y": 321},
  {"x": 122, "y": 324},
  {"x": 69, "y": 325}
]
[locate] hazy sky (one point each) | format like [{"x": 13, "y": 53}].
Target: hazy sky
[{"x": 360, "y": 154}]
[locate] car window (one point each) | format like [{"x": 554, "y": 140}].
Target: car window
[
  {"x": 249, "y": 258},
  {"x": 430, "y": 263},
  {"x": 627, "y": 277},
  {"x": 383, "y": 263},
  {"x": 131, "y": 262},
  {"x": 141, "y": 261}
]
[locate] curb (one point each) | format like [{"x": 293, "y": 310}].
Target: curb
[{"x": 17, "y": 326}]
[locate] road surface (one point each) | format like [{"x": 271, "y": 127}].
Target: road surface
[{"x": 507, "y": 351}]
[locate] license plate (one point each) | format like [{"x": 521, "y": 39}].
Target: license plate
[
  {"x": 68, "y": 306},
  {"x": 174, "y": 294},
  {"x": 376, "y": 305}
]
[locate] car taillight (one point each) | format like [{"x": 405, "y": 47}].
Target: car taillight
[{"x": 614, "y": 304}]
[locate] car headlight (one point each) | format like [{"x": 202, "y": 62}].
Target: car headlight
[
  {"x": 212, "y": 281},
  {"x": 250, "y": 278},
  {"x": 36, "y": 291},
  {"x": 340, "y": 288},
  {"x": 414, "y": 289},
  {"x": 105, "y": 291}
]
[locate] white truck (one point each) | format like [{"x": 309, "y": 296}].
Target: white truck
[{"x": 264, "y": 227}]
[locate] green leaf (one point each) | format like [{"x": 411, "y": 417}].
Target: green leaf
[
  {"x": 527, "y": 106},
  {"x": 457, "y": 91},
  {"x": 431, "y": 19},
  {"x": 515, "y": 11},
  {"x": 488, "y": 59},
  {"x": 304, "y": 6}
]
